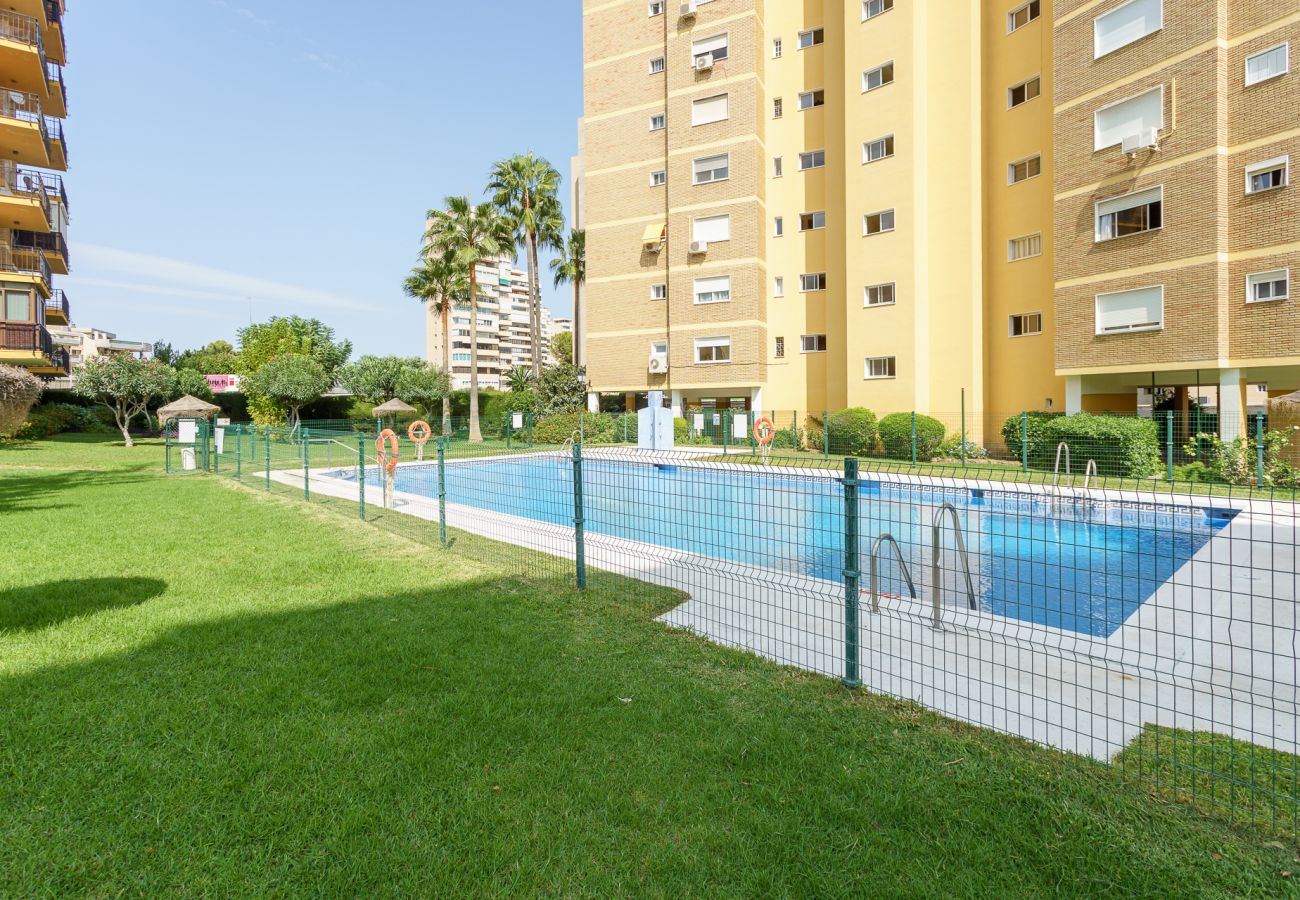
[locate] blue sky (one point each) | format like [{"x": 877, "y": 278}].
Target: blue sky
[{"x": 283, "y": 152}]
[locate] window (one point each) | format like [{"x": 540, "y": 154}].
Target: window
[
  {"x": 814, "y": 159},
  {"x": 659, "y": 348},
  {"x": 812, "y": 221},
  {"x": 811, "y": 283},
  {"x": 712, "y": 168},
  {"x": 714, "y": 47},
  {"x": 711, "y": 229},
  {"x": 812, "y": 99},
  {"x": 777, "y": 167},
  {"x": 873, "y": 8},
  {"x": 1130, "y": 214},
  {"x": 811, "y": 38},
  {"x": 656, "y": 8},
  {"x": 1024, "y": 170},
  {"x": 1264, "y": 287},
  {"x": 1271, "y": 63},
  {"x": 778, "y": 108},
  {"x": 878, "y": 222},
  {"x": 780, "y": 348},
  {"x": 658, "y": 292},
  {"x": 709, "y": 109},
  {"x": 716, "y": 289},
  {"x": 1142, "y": 309},
  {"x": 460, "y": 357},
  {"x": 1022, "y": 16},
  {"x": 812, "y": 343},
  {"x": 1024, "y": 324},
  {"x": 778, "y": 226},
  {"x": 17, "y": 306},
  {"x": 713, "y": 350},
  {"x": 1023, "y": 92},
  {"x": 879, "y": 295},
  {"x": 1129, "y": 118},
  {"x": 657, "y": 65},
  {"x": 878, "y": 77},
  {"x": 1125, "y": 24},
  {"x": 658, "y": 178},
  {"x": 776, "y": 48},
  {"x": 658, "y": 122},
  {"x": 879, "y": 367},
  {"x": 778, "y": 286},
  {"x": 1265, "y": 176},
  {"x": 1024, "y": 247},
  {"x": 880, "y": 148}
]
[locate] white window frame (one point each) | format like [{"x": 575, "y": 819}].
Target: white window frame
[
  {"x": 1011, "y": 169},
  {"x": 1097, "y": 214},
  {"x": 811, "y": 154},
  {"x": 778, "y": 226},
  {"x": 711, "y": 240},
  {"x": 866, "y": 368},
  {"x": 1012, "y": 27},
  {"x": 713, "y": 176},
  {"x": 1011, "y": 332},
  {"x": 867, "y": 73},
  {"x": 812, "y": 97},
  {"x": 885, "y": 6},
  {"x": 1096, "y": 312},
  {"x": 661, "y": 62},
  {"x": 656, "y": 7},
  {"x": 893, "y": 294},
  {"x": 803, "y": 284},
  {"x": 696, "y": 293},
  {"x": 1096, "y": 116},
  {"x": 658, "y": 347},
  {"x": 812, "y": 34},
  {"x": 813, "y": 216},
  {"x": 726, "y": 98},
  {"x": 659, "y": 291},
  {"x": 882, "y": 213},
  {"x": 778, "y": 107},
  {"x": 658, "y": 178},
  {"x": 658, "y": 121},
  {"x": 725, "y": 37},
  {"x": 1097, "y": 23},
  {"x": 887, "y": 140},
  {"x": 715, "y": 343},
  {"x": 803, "y": 343},
  {"x": 1011, "y": 243},
  {"x": 1268, "y": 165},
  {"x": 779, "y": 347},
  {"x": 1011, "y": 104},
  {"x": 1256, "y": 278},
  {"x": 1285, "y": 47},
  {"x": 778, "y": 286},
  {"x": 777, "y": 48}
]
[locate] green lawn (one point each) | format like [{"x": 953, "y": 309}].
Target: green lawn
[{"x": 206, "y": 689}]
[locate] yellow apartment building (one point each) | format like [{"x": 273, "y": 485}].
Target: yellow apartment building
[
  {"x": 808, "y": 205},
  {"x": 33, "y": 202}
]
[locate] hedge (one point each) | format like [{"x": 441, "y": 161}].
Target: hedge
[
  {"x": 1012, "y": 437},
  {"x": 596, "y": 429},
  {"x": 1121, "y": 445},
  {"x": 49, "y": 419},
  {"x": 896, "y": 436},
  {"x": 853, "y": 432}
]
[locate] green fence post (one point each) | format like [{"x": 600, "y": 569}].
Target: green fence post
[
  {"x": 239, "y": 452},
  {"x": 624, "y": 417},
  {"x": 505, "y": 423},
  {"x": 1259, "y": 449},
  {"x": 442, "y": 490},
  {"x": 725, "y": 430},
  {"x": 216, "y": 455},
  {"x": 252, "y": 442},
  {"x": 1169, "y": 445},
  {"x": 794, "y": 430},
  {"x": 167, "y": 442},
  {"x": 306, "y": 465},
  {"x": 963, "y": 428},
  {"x": 578, "y": 537},
  {"x": 1024, "y": 441},
  {"x": 361, "y": 473},
  {"x": 268, "y": 456},
  {"x": 913, "y": 438},
  {"x": 528, "y": 421},
  {"x": 852, "y": 575},
  {"x": 826, "y": 435}
]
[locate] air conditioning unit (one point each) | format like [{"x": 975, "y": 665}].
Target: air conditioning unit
[
  {"x": 704, "y": 63},
  {"x": 1146, "y": 139},
  {"x": 658, "y": 363},
  {"x": 688, "y": 9},
  {"x": 699, "y": 247}
]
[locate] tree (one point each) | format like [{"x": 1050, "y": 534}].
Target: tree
[
  {"x": 524, "y": 189},
  {"x": 520, "y": 379},
  {"x": 375, "y": 378},
  {"x": 561, "y": 389},
  {"x": 265, "y": 341},
  {"x": 19, "y": 391},
  {"x": 424, "y": 387},
  {"x": 291, "y": 382},
  {"x": 124, "y": 384},
  {"x": 570, "y": 267},
  {"x": 562, "y": 347},
  {"x": 217, "y": 358},
  {"x": 438, "y": 281},
  {"x": 468, "y": 234},
  {"x": 164, "y": 352},
  {"x": 188, "y": 381}
]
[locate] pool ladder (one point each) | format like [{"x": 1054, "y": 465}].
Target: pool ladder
[
  {"x": 566, "y": 449},
  {"x": 1089, "y": 473},
  {"x": 936, "y": 563}
]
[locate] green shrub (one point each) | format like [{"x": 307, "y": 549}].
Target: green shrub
[
  {"x": 594, "y": 428},
  {"x": 682, "y": 436},
  {"x": 951, "y": 448},
  {"x": 1121, "y": 445},
  {"x": 1237, "y": 461},
  {"x": 787, "y": 439},
  {"x": 853, "y": 432},
  {"x": 896, "y": 436},
  {"x": 49, "y": 419},
  {"x": 1037, "y": 421}
]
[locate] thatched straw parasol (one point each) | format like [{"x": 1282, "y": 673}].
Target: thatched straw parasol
[
  {"x": 188, "y": 407},
  {"x": 1284, "y": 413},
  {"x": 394, "y": 407}
]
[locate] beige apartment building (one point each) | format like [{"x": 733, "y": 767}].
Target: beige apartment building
[{"x": 919, "y": 204}]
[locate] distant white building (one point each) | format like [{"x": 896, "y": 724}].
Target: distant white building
[{"x": 85, "y": 344}]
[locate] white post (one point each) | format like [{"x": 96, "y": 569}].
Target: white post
[
  {"x": 1073, "y": 394},
  {"x": 1231, "y": 413},
  {"x": 677, "y": 404},
  {"x": 593, "y": 402},
  {"x": 756, "y": 402}
]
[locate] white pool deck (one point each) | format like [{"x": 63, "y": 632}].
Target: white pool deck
[{"x": 1214, "y": 649}]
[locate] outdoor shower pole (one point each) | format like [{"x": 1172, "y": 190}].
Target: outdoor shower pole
[
  {"x": 306, "y": 465},
  {"x": 580, "y": 555},
  {"x": 1259, "y": 449},
  {"x": 852, "y": 575},
  {"x": 239, "y": 452},
  {"x": 442, "y": 490},
  {"x": 361, "y": 473},
  {"x": 267, "y": 441}
]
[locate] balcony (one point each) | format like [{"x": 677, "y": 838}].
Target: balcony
[
  {"x": 23, "y": 128},
  {"x": 22, "y": 51},
  {"x": 56, "y": 91},
  {"x": 24, "y": 200},
  {"x": 58, "y": 144},
  {"x": 51, "y": 243},
  {"x": 57, "y": 309},
  {"x": 26, "y": 263},
  {"x": 27, "y": 345}
]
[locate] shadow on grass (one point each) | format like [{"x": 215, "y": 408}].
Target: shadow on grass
[
  {"x": 27, "y": 491},
  {"x": 42, "y": 605}
]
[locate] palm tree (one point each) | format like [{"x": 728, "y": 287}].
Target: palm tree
[
  {"x": 438, "y": 282},
  {"x": 520, "y": 379},
  {"x": 570, "y": 267},
  {"x": 466, "y": 235},
  {"x": 524, "y": 188}
]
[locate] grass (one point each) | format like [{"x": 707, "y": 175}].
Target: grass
[{"x": 205, "y": 689}]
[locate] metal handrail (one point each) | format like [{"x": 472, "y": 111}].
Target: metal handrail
[
  {"x": 936, "y": 569},
  {"x": 26, "y": 262},
  {"x": 874, "y": 582},
  {"x": 21, "y": 29},
  {"x": 1089, "y": 472},
  {"x": 1056, "y": 472}
]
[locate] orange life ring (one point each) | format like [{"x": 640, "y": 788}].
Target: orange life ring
[
  {"x": 388, "y": 439},
  {"x": 424, "y": 435},
  {"x": 764, "y": 431}
]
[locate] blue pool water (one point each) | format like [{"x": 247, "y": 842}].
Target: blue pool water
[{"x": 1080, "y": 568}]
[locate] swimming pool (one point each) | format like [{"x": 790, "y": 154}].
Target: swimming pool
[{"x": 1076, "y": 566}]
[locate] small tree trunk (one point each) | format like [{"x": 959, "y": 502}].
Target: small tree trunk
[
  {"x": 123, "y": 418},
  {"x": 534, "y": 305},
  {"x": 446, "y": 364},
  {"x": 475, "y": 435},
  {"x": 577, "y": 328}
]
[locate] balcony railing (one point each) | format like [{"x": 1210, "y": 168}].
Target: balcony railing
[
  {"x": 48, "y": 242},
  {"x": 54, "y": 75},
  {"x": 22, "y": 30},
  {"x": 15, "y": 181},
  {"x": 54, "y": 12},
  {"x": 58, "y": 302},
  {"x": 25, "y": 262},
  {"x": 25, "y": 336},
  {"x": 24, "y": 107},
  {"x": 52, "y": 183}
]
